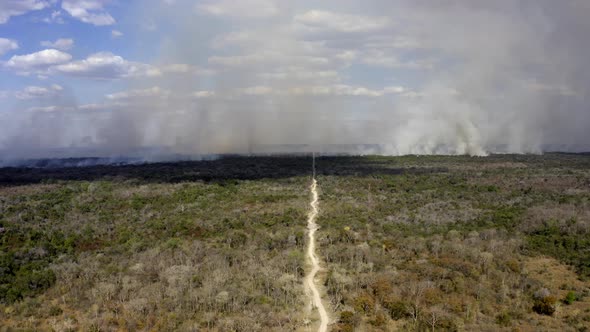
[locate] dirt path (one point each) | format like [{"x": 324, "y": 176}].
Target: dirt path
[{"x": 310, "y": 283}]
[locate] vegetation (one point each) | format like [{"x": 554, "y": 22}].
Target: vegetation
[{"x": 408, "y": 243}]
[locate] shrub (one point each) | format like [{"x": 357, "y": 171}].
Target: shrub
[
  {"x": 514, "y": 265},
  {"x": 379, "y": 320},
  {"x": 173, "y": 243},
  {"x": 55, "y": 311},
  {"x": 570, "y": 298},
  {"x": 347, "y": 322},
  {"x": 545, "y": 305},
  {"x": 18, "y": 282},
  {"x": 347, "y": 317},
  {"x": 504, "y": 319},
  {"x": 397, "y": 310},
  {"x": 364, "y": 303}
]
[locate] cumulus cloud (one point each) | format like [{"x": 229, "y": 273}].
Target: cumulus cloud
[
  {"x": 266, "y": 58},
  {"x": 260, "y": 91},
  {"x": 335, "y": 90},
  {"x": 106, "y": 65},
  {"x": 203, "y": 94},
  {"x": 388, "y": 60},
  {"x": 51, "y": 109},
  {"x": 294, "y": 73},
  {"x": 38, "y": 61},
  {"x": 116, "y": 34},
  {"x": 63, "y": 44},
  {"x": 9, "y": 8},
  {"x": 84, "y": 109},
  {"x": 89, "y": 11},
  {"x": 240, "y": 8},
  {"x": 97, "y": 66},
  {"x": 38, "y": 92},
  {"x": 322, "y": 20},
  {"x": 7, "y": 45},
  {"x": 139, "y": 93},
  {"x": 414, "y": 76},
  {"x": 55, "y": 17},
  {"x": 182, "y": 68}
]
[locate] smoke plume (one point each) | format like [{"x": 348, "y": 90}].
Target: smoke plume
[{"x": 390, "y": 77}]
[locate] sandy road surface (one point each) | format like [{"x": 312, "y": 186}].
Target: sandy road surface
[{"x": 310, "y": 283}]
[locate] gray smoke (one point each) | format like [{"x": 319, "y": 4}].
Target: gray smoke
[{"x": 379, "y": 76}]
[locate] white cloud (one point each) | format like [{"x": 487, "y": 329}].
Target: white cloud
[
  {"x": 257, "y": 91},
  {"x": 354, "y": 91},
  {"x": 340, "y": 90},
  {"x": 240, "y": 8},
  {"x": 106, "y": 65},
  {"x": 394, "y": 89},
  {"x": 88, "y": 11},
  {"x": 60, "y": 44},
  {"x": 96, "y": 107},
  {"x": 38, "y": 61},
  {"x": 267, "y": 58},
  {"x": 181, "y": 68},
  {"x": 386, "y": 41},
  {"x": 380, "y": 58},
  {"x": 101, "y": 107},
  {"x": 235, "y": 38},
  {"x": 413, "y": 94},
  {"x": 9, "y": 8},
  {"x": 51, "y": 109},
  {"x": 116, "y": 34},
  {"x": 299, "y": 73},
  {"x": 7, "y": 45},
  {"x": 265, "y": 51},
  {"x": 139, "y": 93},
  {"x": 321, "y": 20},
  {"x": 102, "y": 66},
  {"x": 56, "y": 17},
  {"x": 203, "y": 94},
  {"x": 178, "y": 68},
  {"x": 149, "y": 95},
  {"x": 37, "y": 92},
  {"x": 43, "y": 109}
]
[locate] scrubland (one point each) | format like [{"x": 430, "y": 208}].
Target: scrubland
[{"x": 500, "y": 243}]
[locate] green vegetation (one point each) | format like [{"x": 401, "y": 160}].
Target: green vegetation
[
  {"x": 570, "y": 298},
  {"x": 19, "y": 279},
  {"x": 408, "y": 243},
  {"x": 570, "y": 247}
]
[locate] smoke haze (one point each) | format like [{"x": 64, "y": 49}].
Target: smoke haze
[{"x": 390, "y": 77}]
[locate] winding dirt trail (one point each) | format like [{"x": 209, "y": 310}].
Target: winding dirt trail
[{"x": 310, "y": 283}]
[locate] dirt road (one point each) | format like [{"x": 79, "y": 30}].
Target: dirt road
[{"x": 310, "y": 283}]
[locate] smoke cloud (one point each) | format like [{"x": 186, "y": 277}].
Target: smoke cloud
[{"x": 389, "y": 77}]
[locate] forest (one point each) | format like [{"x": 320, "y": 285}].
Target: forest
[{"x": 414, "y": 243}]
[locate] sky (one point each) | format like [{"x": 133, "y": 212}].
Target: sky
[{"x": 112, "y": 77}]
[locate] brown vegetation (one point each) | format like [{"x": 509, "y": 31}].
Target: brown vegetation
[{"x": 409, "y": 243}]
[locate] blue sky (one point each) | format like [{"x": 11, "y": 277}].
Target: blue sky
[
  {"x": 201, "y": 76},
  {"x": 36, "y": 30}
]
